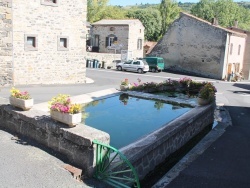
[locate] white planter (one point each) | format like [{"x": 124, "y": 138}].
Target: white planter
[
  {"x": 69, "y": 119},
  {"x": 202, "y": 102},
  {"x": 21, "y": 103}
]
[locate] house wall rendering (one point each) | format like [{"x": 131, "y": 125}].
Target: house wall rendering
[
  {"x": 105, "y": 33},
  {"x": 246, "y": 63},
  {"x": 136, "y": 39},
  {"x": 235, "y": 57},
  {"x": 113, "y": 36},
  {"x": 49, "y": 44},
  {"x": 5, "y": 42}
]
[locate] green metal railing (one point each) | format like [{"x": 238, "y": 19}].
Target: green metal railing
[{"x": 114, "y": 168}]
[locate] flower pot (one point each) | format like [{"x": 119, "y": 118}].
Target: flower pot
[
  {"x": 69, "y": 119},
  {"x": 124, "y": 88},
  {"x": 202, "y": 102},
  {"x": 21, "y": 103}
]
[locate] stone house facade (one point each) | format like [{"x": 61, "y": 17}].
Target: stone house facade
[
  {"x": 193, "y": 45},
  {"x": 42, "y": 42},
  {"x": 113, "y": 36}
]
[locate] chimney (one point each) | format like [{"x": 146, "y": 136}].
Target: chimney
[
  {"x": 214, "y": 21},
  {"x": 236, "y": 23}
]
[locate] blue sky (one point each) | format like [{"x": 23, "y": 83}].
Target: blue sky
[{"x": 133, "y": 2}]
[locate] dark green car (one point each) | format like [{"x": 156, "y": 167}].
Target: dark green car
[{"x": 156, "y": 64}]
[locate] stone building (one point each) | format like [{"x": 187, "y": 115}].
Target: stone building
[
  {"x": 42, "y": 42},
  {"x": 112, "y": 36},
  {"x": 193, "y": 45}
]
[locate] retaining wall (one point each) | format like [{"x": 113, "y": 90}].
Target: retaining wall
[
  {"x": 106, "y": 57},
  {"x": 148, "y": 152},
  {"x": 76, "y": 143}
]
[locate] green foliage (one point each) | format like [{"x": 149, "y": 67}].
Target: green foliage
[
  {"x": 150, "y": 19},
  {"x": 186, "y": 7},
  {"x": 208, "y": 92},
  {"x": 95, "y": 9},
  {"x": 113, "y": 12},
  {"x": 226, "y": 11},
  {"x": 169, "y": 12},
  {"x": 204, "y": 9}
]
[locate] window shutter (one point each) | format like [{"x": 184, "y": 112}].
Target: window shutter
[{"x": 107, "y": 41}]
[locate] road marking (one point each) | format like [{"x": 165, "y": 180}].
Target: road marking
[{"x": 132, "y": 73}]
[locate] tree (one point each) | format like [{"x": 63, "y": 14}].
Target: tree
[
  {"x": 244, "y": 19},
  {"x": 204, "y": 9},
  {"x": 113, "y": 12},
  {"x": 150, "y": 19},
  {"x": 95, "y": 9},
  {"x": 169, "y": 11},
  {"x": 226, "y": 11}
]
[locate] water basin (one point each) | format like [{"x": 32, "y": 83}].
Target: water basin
[{"x": 128, "y": 118}]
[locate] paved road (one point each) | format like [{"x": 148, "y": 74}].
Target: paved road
[{"x": 29, "y": 165}]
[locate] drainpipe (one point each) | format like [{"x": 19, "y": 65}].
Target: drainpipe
[{"x": 228, "y": 52}]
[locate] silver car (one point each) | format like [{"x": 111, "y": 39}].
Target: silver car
[{"x": 140, "y": 66}]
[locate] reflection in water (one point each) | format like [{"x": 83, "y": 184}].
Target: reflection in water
[
  {"x": 124, "y": 98},
  {"x": 158, "y": 105}
]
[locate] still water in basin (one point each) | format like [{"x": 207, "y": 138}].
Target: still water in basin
[{"x": 126, "y": 118}]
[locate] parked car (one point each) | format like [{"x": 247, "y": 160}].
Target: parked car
[
  {"x": 116, "y": 61},
  {"x": 156, "y": 64},
  {"x": 140, "y": 66}
]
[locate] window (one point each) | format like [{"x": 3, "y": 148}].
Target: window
[
  {"x": 30, "y": 42},
  {"x": 128, "y": 62},
  {"x": 239, "y": 49},
  {"x": 111, "y": 39},
  {"x": 231, "y": 49},
  {"x": 112, "y": 28},
  {"x": 139, "y": 44},
  {"x": 136, "y": 63},
  {"x": 62, "y": 43},
  {"x": 96, "y": 41},
  {"x": 50, "y": 2}
]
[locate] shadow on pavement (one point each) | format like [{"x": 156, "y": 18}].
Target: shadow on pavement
[{"x": 243, "y": 86}]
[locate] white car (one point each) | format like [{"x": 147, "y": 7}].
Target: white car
[{"x": 140, "y": 66}]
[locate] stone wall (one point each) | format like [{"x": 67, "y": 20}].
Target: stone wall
[
  {"x": 48, "y": 22},
  {"x": 74, "y": 143},
  {"x": 194, "y": 46},
  {"x": 151, "y": 150},
  {"x": 5, "y": 42}
]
